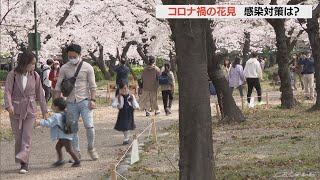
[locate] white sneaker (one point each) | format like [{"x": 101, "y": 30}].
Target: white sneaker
[
  {"x": 93, "y": 154},
  {"x": 23, "y": 171}
]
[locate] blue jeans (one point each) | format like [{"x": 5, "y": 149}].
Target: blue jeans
[
  {"x": 82, "y": 108},
  {"x": 240, "y": 88}
]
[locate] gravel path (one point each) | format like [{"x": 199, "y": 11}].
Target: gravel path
[{"x": 108, "y": 144}]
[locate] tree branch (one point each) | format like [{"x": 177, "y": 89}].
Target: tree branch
[
  {"x": 295, "y": 2},
  {"x": 6, "y": 14},
  {"x": 65, "y": 15},
  {"x": 141, "y": 53},
  {"x": 126, "y": 48},
  {"x": 292, "y": 44}
]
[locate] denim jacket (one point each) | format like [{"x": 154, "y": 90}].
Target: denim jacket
[{"x": 54, "y": 122}]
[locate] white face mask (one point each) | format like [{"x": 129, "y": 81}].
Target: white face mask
[{"x": 74, "y": 61}]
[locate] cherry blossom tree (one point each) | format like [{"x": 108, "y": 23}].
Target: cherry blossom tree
[{"x": 108, "y": 22}]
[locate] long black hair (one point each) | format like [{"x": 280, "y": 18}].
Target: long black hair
[
  {"x": 236, "y": 61},
  {"x": 24, "y": 59}
]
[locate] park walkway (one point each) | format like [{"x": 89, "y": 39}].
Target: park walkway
[{"x": 108, "y": 144}]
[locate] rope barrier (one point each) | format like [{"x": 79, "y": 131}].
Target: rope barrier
[
  {"x": 121, "y": 175},
  {"x": 124, "y": 154},
  {"x": 145, "y": 130}
]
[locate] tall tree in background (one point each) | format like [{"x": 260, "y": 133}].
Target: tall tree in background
[
  {"x": 287, "y": 99},
  {"x": 195, "y": 125},
  {"x": 229, "y": 110},
  {"x": 314, "y": 38},
  {"x": 246, "y": 48}
]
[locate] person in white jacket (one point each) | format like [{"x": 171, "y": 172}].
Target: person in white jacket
[{"x": 253, "y": 74}]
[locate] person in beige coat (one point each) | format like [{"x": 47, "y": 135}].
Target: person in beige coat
[
  {"x": 23, "y": 87},
  {"x": 148, "y": 99},
  {"x": 167, "y": 83}
]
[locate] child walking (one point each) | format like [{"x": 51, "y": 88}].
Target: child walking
[
  {"x": 126, "y": 103},
  {"x": 55, "y": 122}
]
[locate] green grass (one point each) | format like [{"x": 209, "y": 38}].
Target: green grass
[
  {"x": 1, "y": 96},
  {"x": 6, "y": 134},
  {"x": 271, "y": 144}
]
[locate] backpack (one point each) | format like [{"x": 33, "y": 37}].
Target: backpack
[
  {"x": 69, "y": 124},
  {"x": 164, "y": 79},
  {"x": 41, "y": 71}
]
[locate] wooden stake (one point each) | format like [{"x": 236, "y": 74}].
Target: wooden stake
[
  {"x": 218, "y": 110},
  {"x": 267, "y": 97},
  {"x": 154, "y": 129},
  {"x": 108, "y": 92},
  {"x": 113, "y": 172},
  {"x": 242, "y": 103}
]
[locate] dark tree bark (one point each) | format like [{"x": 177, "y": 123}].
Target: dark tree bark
[
  {"x": 314, "y": 38},
  {"x": 230, "y": 112},
  {"x": 173, "y": 62},
  {"x": 292, "y": 41},
  {"x": 287, "y": 99},
  {"x": 64, "y": 54},
  {"x": 21, "y": 45},
  {"x": 65, "y": 14},
  {"x": 142, "y": 53},
  {"x": 246, "y": 48},
  {"x": 272, "y": 59},
  {"x": 195, "y": 126},
  {"x": 99, "y": 61}
]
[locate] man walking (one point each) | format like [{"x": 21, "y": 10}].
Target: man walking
[
  {"x": 308, "y": 74},
  {"x": 253, "y": 74},
  {"x": 81, "y": 100},
  {"x": 122, "y": 71}
]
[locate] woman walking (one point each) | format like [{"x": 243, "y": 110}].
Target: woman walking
[
  {"x": 236, "y": 76},
  {"x": 23, "y": 87}
]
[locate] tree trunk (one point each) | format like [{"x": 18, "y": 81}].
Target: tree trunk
[
  {"x": 195, "y": 125},
  {"x": 246, "y": 48},
  {"x": 64, "y": 55},
  {"x": 231, "y": 113},
  {"x": 173, "y": 62},
  {"x": 99, "y": 61},
  {"x": 314, "y": 38},
  {"x": 272, "y": 60},
  {"x": 287, "y": 99}
]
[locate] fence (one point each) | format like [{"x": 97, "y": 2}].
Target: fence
[{"x": 152, "y": 130}]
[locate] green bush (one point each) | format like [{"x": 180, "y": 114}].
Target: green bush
[
  {"x": 98, "y": 74},
  {"x": 137, "y": 71},
  {"x": 3, "y": 75}
]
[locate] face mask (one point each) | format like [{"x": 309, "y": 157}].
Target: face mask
[{"x": 74, "y": 61}]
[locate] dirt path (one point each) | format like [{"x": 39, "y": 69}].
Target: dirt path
[{"x": 108, "y": 144}]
